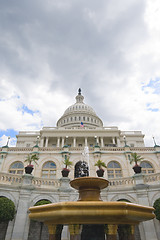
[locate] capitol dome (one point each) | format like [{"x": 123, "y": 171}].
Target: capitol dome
[{"x": 79, "y": 115}]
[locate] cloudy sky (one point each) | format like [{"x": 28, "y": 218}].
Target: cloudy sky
[{"x": 111, "y": 49}]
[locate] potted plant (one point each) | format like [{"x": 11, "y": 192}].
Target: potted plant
[
  {"x": 65, "y": 171},
  {"x": 100, "y": 171},
  {"x": 29, "y": 159},
  {"x": 136, "y": 158}
]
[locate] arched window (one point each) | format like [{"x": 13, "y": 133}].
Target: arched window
[
  {"x": 49, "y": 170},
  {"x": 114, "y": 170},
  {"x": 146, "y": 167},
  {"x": 16, "y": 168}
]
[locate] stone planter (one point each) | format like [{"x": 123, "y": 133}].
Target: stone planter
[
  {"x": 65, "y": 172},
  {"x": 29, "y": 169},
  {"x": 137, "y": 169},
  {"x": 100, "y": 172}
]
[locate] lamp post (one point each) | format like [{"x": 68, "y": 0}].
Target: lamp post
[
  {"x": 8, "y": 140},
  {"x": 37, "y": 140},
  {"x": 154, "y": 141},
  {"x": 125, "y": 142},
  {"x": 96, "y": 142},
  {"x": 66, "y": 141}
]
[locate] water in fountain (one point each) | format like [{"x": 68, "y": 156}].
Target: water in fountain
[{"x": 83, "y": 168}]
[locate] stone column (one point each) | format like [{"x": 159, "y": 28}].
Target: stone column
[
  {"x": 74, "y": 142},
  {"x": 85, "y": 142},
  {"x": 22, "y": 208},
  {"x": 74, "y": 232},
  {"x": 102, "y": 142},
  {"x": 58, "y": 142},
  {"x": 46, "y": 145},
  {"x": 142, "y": 196},
  {"x": 113, "y": 140},
  {"x": 118, "y": 142},
  {"x": 42, "y": 142},
  {"x": 112, "y": 232},
  {"x": 62, "y": 141},
  {"x": 52, "y": 231}
]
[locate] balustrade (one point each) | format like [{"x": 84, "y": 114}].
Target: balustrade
[{"x": 9, "y": 179}]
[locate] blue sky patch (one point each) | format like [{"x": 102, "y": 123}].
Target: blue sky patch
[
  {"x": 24, "y": 109},
  {"x": 154, "y": 84},
  {"x": 153, "y": 109},
  {"x": 9, "y": 132}
]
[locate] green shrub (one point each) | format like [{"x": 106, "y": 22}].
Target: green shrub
[
  {"x": 42, "y": 202},
  {"x": 7, "y": 209},
  {"x": 157, "y": 208}
]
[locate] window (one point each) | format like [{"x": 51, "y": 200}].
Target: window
[
  {"x": 146, "y": 167},
  {"x": 114, "y": 170},
  {"x": 49, "y": 170},
  {"x": 16, "y": 168}
]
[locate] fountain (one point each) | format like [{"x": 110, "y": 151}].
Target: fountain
[{"x": 90, "y": 209}]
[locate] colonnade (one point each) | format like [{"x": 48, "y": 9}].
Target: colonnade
[{"x": 74, "y": 141}]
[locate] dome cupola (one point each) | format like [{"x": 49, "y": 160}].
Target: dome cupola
[{"x": 79, "y": 114}]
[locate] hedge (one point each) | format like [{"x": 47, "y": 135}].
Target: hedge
[
  {"x": 157, "y": 208},
  {"x": 7, "y": 209},
  {"x": 42, "y": 202}
]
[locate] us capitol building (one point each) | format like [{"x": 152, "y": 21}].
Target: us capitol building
[{"x": 79, "y": 132}]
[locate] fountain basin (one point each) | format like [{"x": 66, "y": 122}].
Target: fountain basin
[
  {"x": 91, "y": 212},
  {"x": 90, "y": 209}
]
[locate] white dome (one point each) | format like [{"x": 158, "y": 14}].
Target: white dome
[{"x": 79, "y": 113}]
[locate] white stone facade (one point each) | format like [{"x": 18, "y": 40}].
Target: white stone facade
[{"x": 78, "y": 127}]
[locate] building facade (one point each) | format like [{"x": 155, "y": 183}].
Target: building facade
[{"x": 80, "y": 136}]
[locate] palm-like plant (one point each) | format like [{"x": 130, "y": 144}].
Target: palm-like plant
[
  {"x": 100, "y": 164},
  {"x": 31, "y": 158},
  {"x": 135, "y": 158},
  {"x": 67, "y": 162}
]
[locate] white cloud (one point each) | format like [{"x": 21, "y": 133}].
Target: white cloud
[{"x": 110, "y": 49}]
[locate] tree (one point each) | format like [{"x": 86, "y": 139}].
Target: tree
[
  {"x": 136, "y": 158},
  {"x": 67, "y": 162},
  {"x": 100, "y": 164},
  {"x": 157, "y": 208},
  {"x": 32, "y": 158},
  {"x": 42, "y": 202},
  {"x": 7, "y": 209}
]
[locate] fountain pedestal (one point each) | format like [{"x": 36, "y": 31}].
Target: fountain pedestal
[{"x": 89, "y": 190}]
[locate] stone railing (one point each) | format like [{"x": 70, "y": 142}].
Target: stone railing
[
  {"x": 13, "y": 179},
  {"x": 128, "y": 181},
  {"x": 41, "y": 182},
  {"x": 152, "y": 178},
  {"x": 8, "y": 178},
  {"x": 59, "y": 149}
]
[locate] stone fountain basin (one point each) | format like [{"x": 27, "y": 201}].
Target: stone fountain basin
[{"x": 91, "y": 212}]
